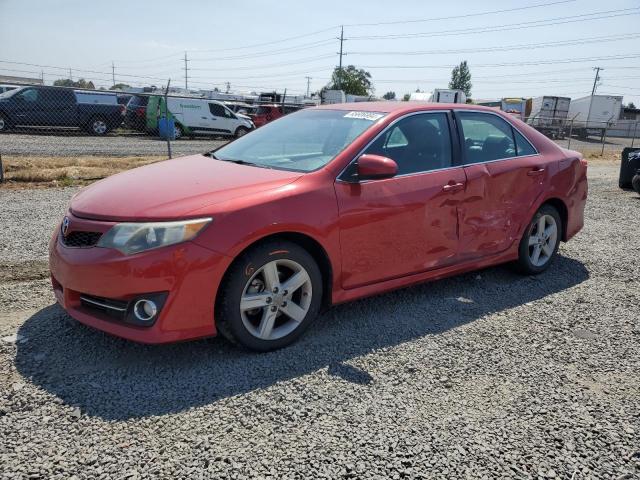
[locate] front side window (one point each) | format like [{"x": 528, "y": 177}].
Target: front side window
[
  {"x": 417, "y": 143},
  {"x": 29, "y": 95},
  {"x": 303, "y": 141},
  {"x": 217, "y": 110}
]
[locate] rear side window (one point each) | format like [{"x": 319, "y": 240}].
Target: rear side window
[
  {"x": 417, "y": 143},
  {"x": 488, "y": 137},
  {"x": 523, "y": 147}
]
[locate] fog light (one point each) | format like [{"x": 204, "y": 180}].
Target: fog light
[{"x": 145, "y": 310}]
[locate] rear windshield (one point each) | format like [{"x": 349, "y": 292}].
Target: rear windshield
[
  {"x": 303, "y": 141},
  {"x": 264, "y": 110}
]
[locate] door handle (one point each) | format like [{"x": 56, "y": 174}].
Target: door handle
[
  {"x": 453, "y": 187},
  {"x": 535, "y": 172}
]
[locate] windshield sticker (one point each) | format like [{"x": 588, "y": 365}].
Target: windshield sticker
[{"x": 371, "y": 116}]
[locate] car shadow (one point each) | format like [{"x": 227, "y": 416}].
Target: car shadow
[{"x": 116, "y": 379}]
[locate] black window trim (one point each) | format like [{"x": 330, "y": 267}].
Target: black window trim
[
  {"x": 463, "y": 152},
  {"x": 455, "y": 148}
]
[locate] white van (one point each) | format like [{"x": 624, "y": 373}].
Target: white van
[{"x": 198, "y": 116}]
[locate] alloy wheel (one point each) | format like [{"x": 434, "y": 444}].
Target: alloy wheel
[
  {"x": 276, "y": 299},
  {"x": 99, "y": 127},
  {"x": 543, "y": 238}
]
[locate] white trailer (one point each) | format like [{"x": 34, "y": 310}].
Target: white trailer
[
  {"x": 445, "y": 95},
  {"x": 594, "y": 114},
  {"x": 549, "y": 115}
]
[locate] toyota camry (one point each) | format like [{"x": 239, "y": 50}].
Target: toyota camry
[{"x": 322, "y": 206}]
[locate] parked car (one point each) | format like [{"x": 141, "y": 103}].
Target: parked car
[
  {"x": 242, "y": 108},
  {"x": 269, "y": 113},
  {"x": 198, "y": 116},
  {"x": 6, "y": 88},
  {"x": 323, "y": 206},
  {"x": 136, "y": 113},
  {"x": 56, "y": 107}
]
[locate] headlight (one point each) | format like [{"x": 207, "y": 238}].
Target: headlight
[{"x": 132, "y": 238}]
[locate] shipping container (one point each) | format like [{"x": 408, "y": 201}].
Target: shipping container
[
  {"x": 444, "y": 95},
  {"x": 594, "y": 114}
]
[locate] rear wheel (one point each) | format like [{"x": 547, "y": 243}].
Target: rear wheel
[
  {"x": 98, "y": 126},
  {"x": 270, "y": 296},
  {"x": 540, "y": 241}
]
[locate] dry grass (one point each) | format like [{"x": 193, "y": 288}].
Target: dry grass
[
  {"x": 21, "y": 172},
  {"x": 39, "y": 172}
]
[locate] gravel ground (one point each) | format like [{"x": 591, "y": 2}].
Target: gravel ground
[
  {"x": 111, "y": 145},
  {"x": 127, "y": 145},
  {"x": 485, "y": 375}
]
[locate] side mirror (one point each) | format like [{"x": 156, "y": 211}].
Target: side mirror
[{"x": 372, "y": 167}]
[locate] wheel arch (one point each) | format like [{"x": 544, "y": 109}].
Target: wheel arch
[
  {"x": 562, "y": 209},
  {"x": 311, "y": 245}
]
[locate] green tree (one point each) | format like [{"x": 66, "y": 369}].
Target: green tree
[
  {"x": 406, "y": 97},
  {"x": 120, "y": 86},
  {"x": 81, "y": 83},
  {"x": 351, "y": 80},
  {"x": 461, "y": 78},
  {"x": 389, "y": 96}
]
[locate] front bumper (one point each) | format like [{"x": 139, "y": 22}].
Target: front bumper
[{"x": 189, "y": 274}]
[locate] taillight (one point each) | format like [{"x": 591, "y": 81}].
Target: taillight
[
  {"x": 123, "y": 109},
  {"x": 584, "y": 162},
  {"x": 141, "y": 111}
]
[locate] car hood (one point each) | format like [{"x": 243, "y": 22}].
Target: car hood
[{"x": 174, "y": 189}]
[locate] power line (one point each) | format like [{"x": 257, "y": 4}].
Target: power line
[
  {"x": 513, "y": 26},
  {"x": 513, "y": 64},
  {"x": 527, "y": 46},
  {"x": 457, "y": 17}
]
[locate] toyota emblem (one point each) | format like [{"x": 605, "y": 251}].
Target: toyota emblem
[{"x": 65, "y": 226}]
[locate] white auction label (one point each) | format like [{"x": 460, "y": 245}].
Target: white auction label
[{"x": 372, "y": 116}]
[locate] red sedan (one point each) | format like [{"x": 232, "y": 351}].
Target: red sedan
[{"x": 319, "y": 207}]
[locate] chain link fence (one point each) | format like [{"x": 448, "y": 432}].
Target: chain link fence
[{"x": 66, "y": 135}]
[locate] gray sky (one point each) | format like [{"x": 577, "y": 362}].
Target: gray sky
[{"x": 547, "y": 50}]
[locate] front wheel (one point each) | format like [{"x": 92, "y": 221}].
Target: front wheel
[
  {"x": 270, "y": 296},
  {"x": 4, "y": 123},
  {"x": 241, "y": 132},
  {"x": 540, "y": 241}
]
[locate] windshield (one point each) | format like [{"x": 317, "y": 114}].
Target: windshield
[
  {"x": 302, "y": 141},
  {"x": 10, "y": 93}
]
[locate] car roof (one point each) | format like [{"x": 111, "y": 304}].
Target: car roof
[{"x": 399, "y": 107}]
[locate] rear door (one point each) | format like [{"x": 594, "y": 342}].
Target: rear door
[{"x": 504, "y": 176}]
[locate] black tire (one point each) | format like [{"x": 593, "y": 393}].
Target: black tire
[
  {"x": 635, "y": 182},
  {"x": 178, "y": 131},
  {"x": 241, "y": 132},
  {"x": 98, "y": 126},
  {"x": 525, "y": 263},
  {"x": 4, "y": 123},
  {"x": 247, "y": 268}
]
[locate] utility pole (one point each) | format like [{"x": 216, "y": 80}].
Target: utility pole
[
  {"x": 70, "y": 75},
  {"x": 595, "y": 80},
  {"x": 42, "y": 76},
  {"x": 340, "y": 64},
  {"x": 228, "y": 87},
  {"x": 186, "y": 69},
  {"x": 113, "y": 73},
  {"x": 308, "y": 83}
]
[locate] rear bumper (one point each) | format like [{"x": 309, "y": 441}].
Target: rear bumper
[{"x": 188, "y": 273}]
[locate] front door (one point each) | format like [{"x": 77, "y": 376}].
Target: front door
[
  {"x": 406, "y": 224},
  {"x": 505, "y": 176},
  {"x": 220, "y": 120}
]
